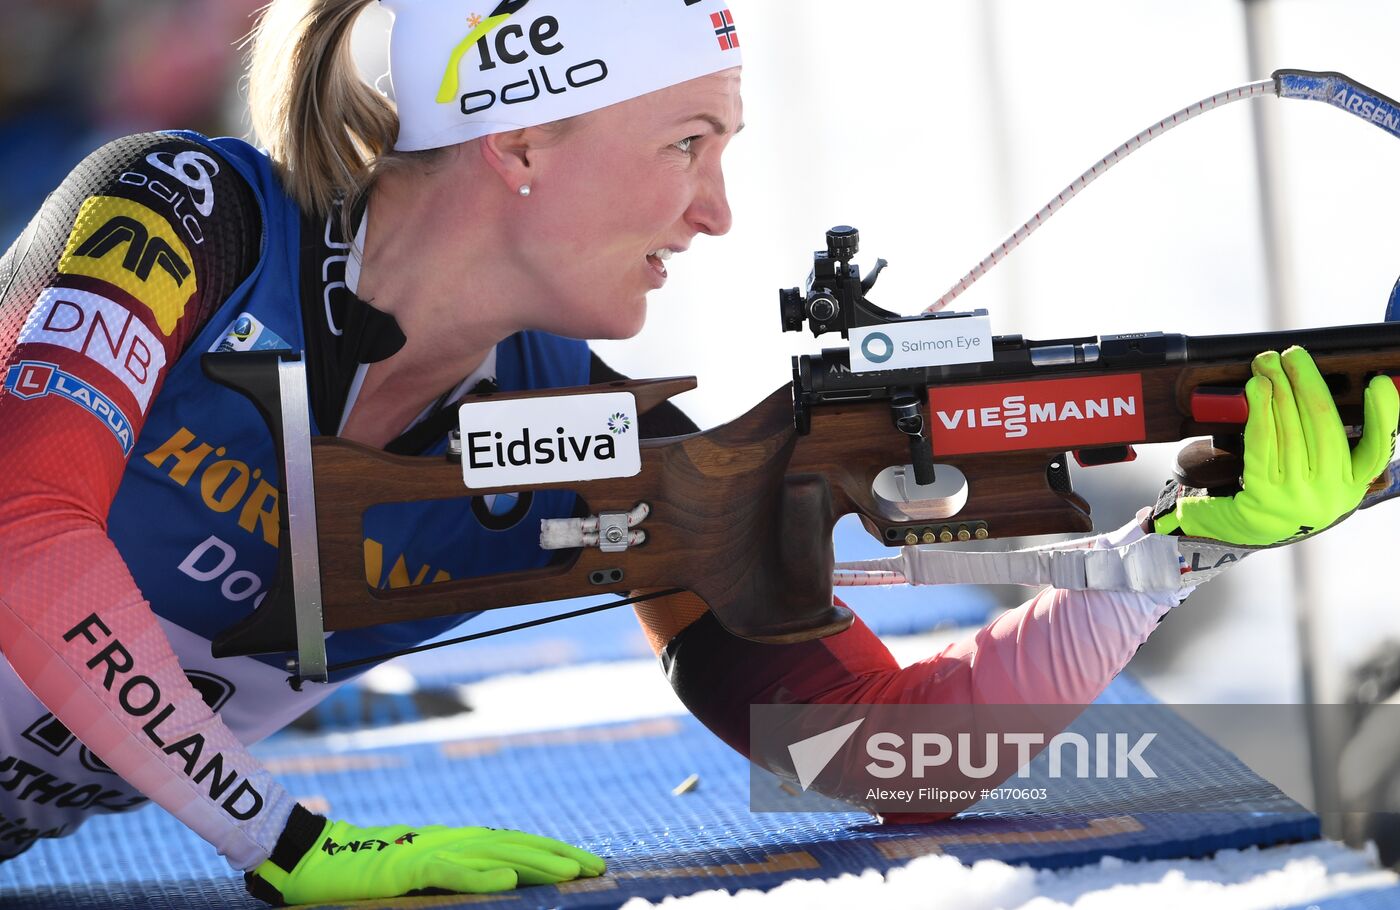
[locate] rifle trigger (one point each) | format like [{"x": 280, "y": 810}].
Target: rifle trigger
[{"x": 909, "y": 419}]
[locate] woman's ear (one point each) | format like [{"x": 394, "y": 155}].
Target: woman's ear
[{"x": 508, "y": 154}]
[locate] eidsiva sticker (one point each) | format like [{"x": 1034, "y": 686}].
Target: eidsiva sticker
[
  {"x": 921, "y": 343},
  {"x": 1041, "y": 414},
  {"x": 549, "y": 440}
]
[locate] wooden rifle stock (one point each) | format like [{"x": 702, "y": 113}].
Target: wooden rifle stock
[{"x": 742, "y": 514}]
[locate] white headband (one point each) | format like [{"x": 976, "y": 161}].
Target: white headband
[{"x": 463, "y": 70}]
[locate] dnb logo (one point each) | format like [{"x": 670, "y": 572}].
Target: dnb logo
[
  {"x": 49, "y": 733},
  {"x": 101, "y": 330},
  {"x": 131, "y": 247}
]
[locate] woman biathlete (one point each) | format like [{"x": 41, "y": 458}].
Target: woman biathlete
[{"x": 540, "y": 163}]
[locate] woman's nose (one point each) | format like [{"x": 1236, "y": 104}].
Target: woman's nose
[{"x": 709, "y": 212}]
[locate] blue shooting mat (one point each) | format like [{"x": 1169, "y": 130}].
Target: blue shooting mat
[{"x": 609, "y": 789}]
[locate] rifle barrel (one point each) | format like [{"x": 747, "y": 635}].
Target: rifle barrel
[
  {"x": 1328, "y": 340},
  {"x": 828, "y": 379}
]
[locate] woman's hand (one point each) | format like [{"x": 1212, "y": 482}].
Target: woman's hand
[
  {"x": 1300, "y": 474},
  {"x": 347, "y": 863}
]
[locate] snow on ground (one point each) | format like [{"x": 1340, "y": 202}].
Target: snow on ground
[{"x": 1251, "y": 879}]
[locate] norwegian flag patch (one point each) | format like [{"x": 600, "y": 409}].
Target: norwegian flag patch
[{"x": 724, "y": 30}]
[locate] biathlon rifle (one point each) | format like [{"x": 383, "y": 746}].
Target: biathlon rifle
[
  {"x": 929, "y": 428},
  {"x": 742, "y": 514}
]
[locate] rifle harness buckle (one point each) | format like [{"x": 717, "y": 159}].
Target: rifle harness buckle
[{"x": 611, "y": 532}]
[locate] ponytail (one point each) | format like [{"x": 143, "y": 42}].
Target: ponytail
[{"x": 323, "y": 126}]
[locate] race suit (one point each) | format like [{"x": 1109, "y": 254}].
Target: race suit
[
  {"x": 138, "y": 510},
  {"x": 138, "y": 500}
]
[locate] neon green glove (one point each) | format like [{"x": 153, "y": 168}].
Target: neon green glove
[
  {"x": 1300, "y": 474},
  {"x": 347, "y": 863}
]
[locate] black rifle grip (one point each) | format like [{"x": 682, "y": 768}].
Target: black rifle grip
[
  {"x": 271, "y": 627},
  {"x": 1214, "y": 465}
]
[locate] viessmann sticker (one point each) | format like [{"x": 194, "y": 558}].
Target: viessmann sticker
[
  {"x": 1041, "y": 414},
  {"x": 549, "y": 440}
]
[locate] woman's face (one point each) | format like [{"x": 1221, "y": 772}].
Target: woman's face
[{"x": 621, "y": 185}]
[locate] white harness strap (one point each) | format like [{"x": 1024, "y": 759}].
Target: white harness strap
[{"x": 1149, "y": 564}]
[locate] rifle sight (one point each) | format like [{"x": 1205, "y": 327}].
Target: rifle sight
[{"x": 835, "y": 297}]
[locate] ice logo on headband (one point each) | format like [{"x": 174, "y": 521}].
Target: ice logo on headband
[
  {"x": 480, "y": 28},
  {"x": 460, "y": 73},
  {"x": 514, "y": 44}
]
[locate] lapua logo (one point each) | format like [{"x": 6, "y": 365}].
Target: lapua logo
[{"x": 549, "y": 440}]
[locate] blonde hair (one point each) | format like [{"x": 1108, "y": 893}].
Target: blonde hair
[{"x": 326, "y": 130}]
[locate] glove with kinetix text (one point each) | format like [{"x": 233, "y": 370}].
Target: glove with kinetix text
[
  {"x": 1301, "y": 475},
  {"x": 320, "y": 861}
]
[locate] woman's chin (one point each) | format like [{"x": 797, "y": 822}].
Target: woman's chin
[
  {"x": 613, "y": 322},
  {"x": 626, "y": 322}
]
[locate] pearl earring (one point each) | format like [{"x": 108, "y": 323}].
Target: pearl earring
[{"x": 525, "y": 190}]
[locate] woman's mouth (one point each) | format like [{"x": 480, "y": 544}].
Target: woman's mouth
[{"x": 657, "y": 260}]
